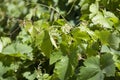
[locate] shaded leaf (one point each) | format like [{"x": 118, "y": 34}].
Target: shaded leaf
[
  {"x": 46, "y": 45},
  {"x": 1, "y": 46},
  {"x": 114, "y": 41},
  {"x": 55, "y": 56},
  {"x": 96, "y": 68},
  {"x": 103, "y": 36},
  {"x": 30, "y": 76},
  {"x": 61, "y": 67},
  {"x": 107, "y": 65}
]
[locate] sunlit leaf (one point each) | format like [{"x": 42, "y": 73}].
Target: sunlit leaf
[
  {"x": 53, "y": 42},
  {"x": 93, "y": 8},
  {"x": 100, "y": 19},
  {"x": 111, "y": 16},
  {"x": 5, "y": 41}
]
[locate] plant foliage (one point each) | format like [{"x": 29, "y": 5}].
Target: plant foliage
[{"x": 59, "y": 40}]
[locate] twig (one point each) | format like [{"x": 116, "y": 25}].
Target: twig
[{"x": 71, "y": 8}]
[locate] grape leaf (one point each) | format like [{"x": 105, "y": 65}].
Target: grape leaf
[
  {"x": 1, "y": 46},
  {"x": 61, "y": 67},
  {"x": 46, "y": 45},
  {"x": 55, "y": 56},
  {"x": 100, "y": 19},
  {"x": 103, "y": 36},
  {"x": 93, "y": 8},
  {"x": 30, "y": 76},
  {"x": 17, "y": 48},
  {"x": 107, "y": 65},
  {"x": 10, "y": 49},
  {"x": 114, "y": 41},
  {"x": 96, "y": 68}
]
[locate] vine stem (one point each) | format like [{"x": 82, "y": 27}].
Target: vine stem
[{"x": 71, "y": 7}]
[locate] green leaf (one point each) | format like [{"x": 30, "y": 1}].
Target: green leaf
[
  {"x": 29, "y": 27},
  {"x": 103, "y": 36},
  {"x": 73, "y": 55},
  {"x": 105, "y": 48},
  {"x": 5, "y": 41},
  {"x": 60, "y": 22},
  {"x": 10, "y": 49},
  {"x": 93, "y": 8},
  {"x": 107, "y": 65},
  {"x": 96, "y": 68},
  {"x": 55, "y": 56},
  {"x": 61, "y": 67},
  {"x": 114, "y": 41},
  {"x": 91, "y": 69},
  {"x": 80, "y": 35},
  {"x": 46, "y": 45},
  {"x": 39, "y": 38},
  {"x": 23, "y": 48},
  {"x": 101, "y": 20},
  {"x": 111, "y": 16},
  {"x": 17, "y": 48},
  {"x": 3, "y": 69},
  {"x": 53, "y": 42},
  {"x": 30, "y": 76},
  {"x": 1, "y": 46},
  {"x": 92, "y": 62},
  {"x": 88, "y": 73}
]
